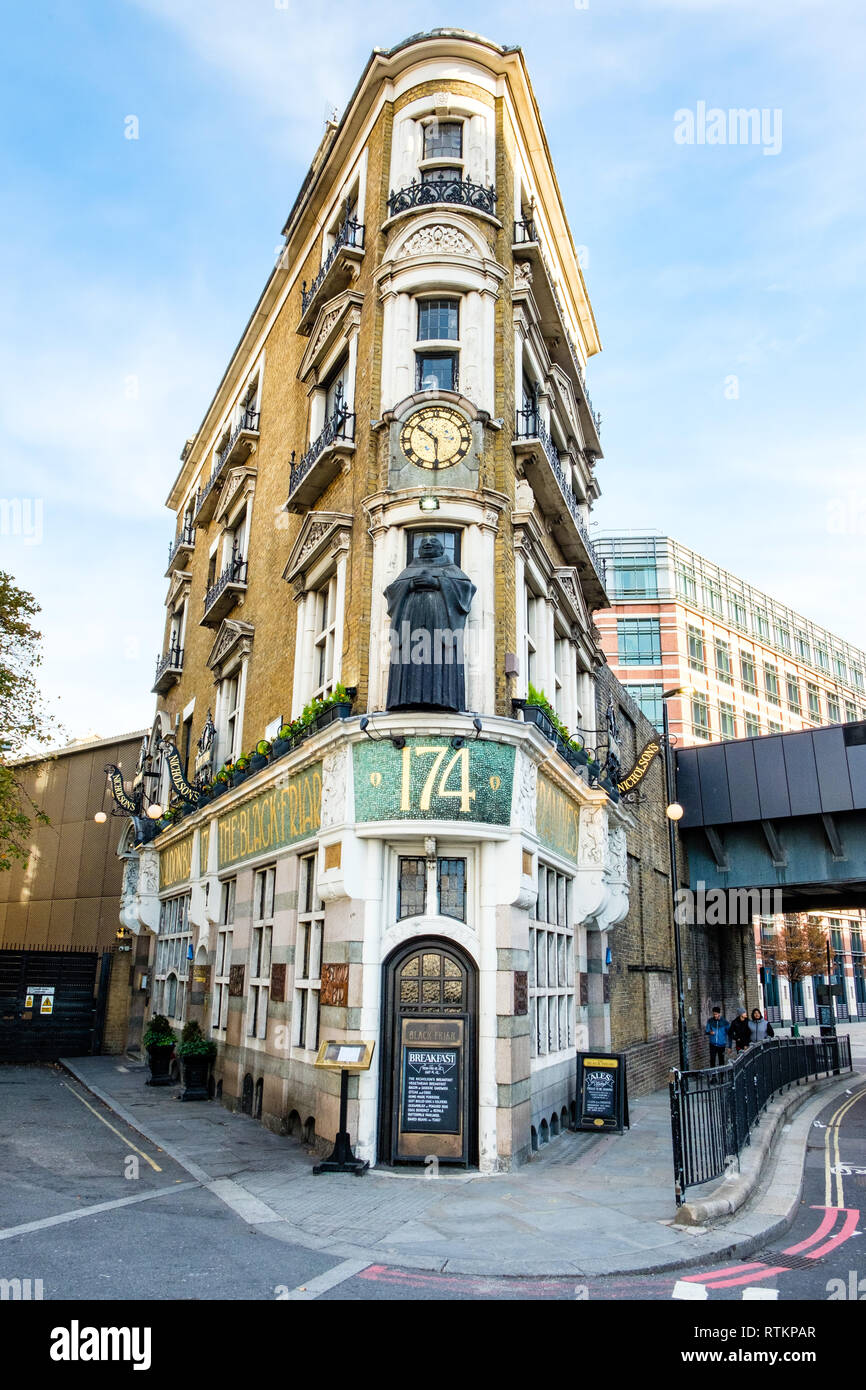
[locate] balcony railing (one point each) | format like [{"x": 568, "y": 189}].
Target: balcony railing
[
  {"x": 339, "y": 431},
  {"x": 524, "y": 232},
  {"x": 218, "y": 596},
  {"x": 447, "y": 190},
  {"x": 529, "y": 425},
  {"x": 234, "y": 448},
  {"x": 351, "y": 234},
  {"x": 184, "y": 541},
  {"x": 168, "y": 668}
]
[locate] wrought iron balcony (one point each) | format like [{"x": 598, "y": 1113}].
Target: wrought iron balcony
[
  {"x": 527, "y": 242},
  {"x": 443, "y": 190},
  {"x": 224, "y": 593},
  {"x": 525, "y": 232},
  {"x": 348, "y": 245},
  {"x": 168, "y": 669},
  {"x": 552, "y": 486},
  {"x": 323, "y": 460},
  {"x": 180, "y": 548},
  {"x": 237, "y": 447}
]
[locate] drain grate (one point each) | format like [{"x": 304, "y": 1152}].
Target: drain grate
[{"x": 796, "y": 1261}]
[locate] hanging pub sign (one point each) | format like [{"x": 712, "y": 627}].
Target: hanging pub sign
[
  {"x": 175, "y": 772},
  {"x": 602, "y": 1092},
  {"x": 641, "y": 767},
  {"x": 115, "y": 785}
]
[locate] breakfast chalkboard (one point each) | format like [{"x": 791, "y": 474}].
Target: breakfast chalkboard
[{"x": 602, "y": 1092}]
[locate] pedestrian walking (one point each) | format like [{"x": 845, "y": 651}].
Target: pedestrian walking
[
  {"x": 759, "y": 1028},
  {"x": 717, "y": 1032},
  {"x": 739, "y": 1033}
]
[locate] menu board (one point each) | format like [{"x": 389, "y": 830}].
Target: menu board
[
  {"x": 431, "y": 1090},
  {"x": 602, "y": 1095}
]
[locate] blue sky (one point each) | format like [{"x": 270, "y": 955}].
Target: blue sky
[{"x": 130, "y": 267}]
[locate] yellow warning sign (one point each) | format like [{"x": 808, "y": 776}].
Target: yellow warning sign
[
  {"x": 47, "y": 1006},
  {"x": 28, "y": 1002}
]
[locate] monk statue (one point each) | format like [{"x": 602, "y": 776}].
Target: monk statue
[{"x": 428, "y": 604}]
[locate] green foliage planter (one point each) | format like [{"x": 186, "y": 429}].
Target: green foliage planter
[
  {"x": 159, "y": 1041},
  {"x": 196, "y": 1053}
]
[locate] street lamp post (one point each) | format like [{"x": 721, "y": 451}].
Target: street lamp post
[{"x": 674, "y": 812}]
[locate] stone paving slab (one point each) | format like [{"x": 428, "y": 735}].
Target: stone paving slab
[{"x": 585, "y": 1205}]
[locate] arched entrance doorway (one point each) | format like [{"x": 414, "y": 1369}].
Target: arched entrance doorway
[{"x": 428, "y": 1070}]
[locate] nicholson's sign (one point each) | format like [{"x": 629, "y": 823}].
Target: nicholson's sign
[{"x": 641, "y": 767}]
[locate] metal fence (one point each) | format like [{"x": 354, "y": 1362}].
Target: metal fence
[{"x": 713, "y": 1111}]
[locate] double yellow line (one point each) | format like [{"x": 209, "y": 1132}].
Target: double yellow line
[{"x": 831, "y": 1151}]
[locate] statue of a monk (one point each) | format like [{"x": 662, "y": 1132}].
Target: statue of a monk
[{"x": 428, "y": 604}]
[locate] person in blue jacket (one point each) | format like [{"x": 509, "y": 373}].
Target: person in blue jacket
[{"x": 717, "y": 1032}]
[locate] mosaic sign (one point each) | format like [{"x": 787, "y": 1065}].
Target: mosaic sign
[
  {"x": 556, "y": 818},
  {"x": 175, "y": 863},
  {"x": 431, "y": 780},
  {"x": 276, "y": 818}
]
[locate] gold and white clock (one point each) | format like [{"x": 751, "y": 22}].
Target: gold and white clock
[{"x": 435, "y": 437}]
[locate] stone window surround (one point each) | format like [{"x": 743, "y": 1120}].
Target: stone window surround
[
  {"x": 534, "y": 568},
  {"x": 442, "y": 255},
  {"x": 479, "y": 137},
  {"x": 432, "y": 923},
  {"x": 320, "y": 552},
  {"x": 557, "y": 402},
  {"x": 334, "y": 336},
  {"x": 390, "y": 515},
  {"x": 229, "y": 420},
  {"x": 229, "y": 657}
]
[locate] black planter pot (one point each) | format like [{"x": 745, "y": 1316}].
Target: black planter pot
[
  {"x": 204, "y": 799},
  {"x": 534, "y": 714},
  {"x": 258, "y": 761},
  {"x": 219, "y": 790},
  {"x": 279, "y": 748},
  {"x": 240, "y": 776},
  {"x": 326, "y": 717},
  {"x": 160, "y": 1060},
  {"x": 195, "y": 1077}
]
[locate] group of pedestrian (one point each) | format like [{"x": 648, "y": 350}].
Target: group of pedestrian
[{"x": 739, "y": 1034}]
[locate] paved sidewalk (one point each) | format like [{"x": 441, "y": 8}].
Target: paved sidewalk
[{"x": 586, "y": 1205}]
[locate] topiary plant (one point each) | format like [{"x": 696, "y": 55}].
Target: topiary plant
[
  {"x": 193, "y": 1042},
  {"x": 159, "y": 1032}
]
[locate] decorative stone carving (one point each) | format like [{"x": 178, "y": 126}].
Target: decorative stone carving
[
  {"x": 326, "y": 325},
  {"x": 437, "y": 239},
  {"x": 233, "y": 637},
  {"x": 523, "y": 275},
  {"x": 334, "y": 774},
  {"x": 593, "y": 825},
  {"x": 314, "y": 535},
  {"x": 526, "y": 777}
]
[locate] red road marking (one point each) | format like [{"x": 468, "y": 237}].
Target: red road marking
[
  {"x": 384, "y": 1274},
  {"x": 849, "y": 1226},
  {"x": 826, "y": 1226},
  {"x": 748, "y": 1278},
  {"x": 717, "y": 1273}
]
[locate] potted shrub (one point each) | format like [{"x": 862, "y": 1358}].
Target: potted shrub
[
  {"x": 538, "y": 711},
  {"x": 196, "y": 1053},
  {"x": 222, "y": 781},
  {"x": 337, "y": 705},
  {"x": 159, "y": 1043},
  {"x": 205, "y": 794},
  {"x": 259, "y": 756},
  {"x": 282, "y": 743},
  {"x": 240, "y": 769}
]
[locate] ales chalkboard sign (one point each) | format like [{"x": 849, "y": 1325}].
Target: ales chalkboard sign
[{"x": 602, "y": 1092}]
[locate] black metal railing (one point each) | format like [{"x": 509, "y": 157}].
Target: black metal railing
[
  {"x": 339, "y": 428},
  {"x": 525, "y": 232},
  {"x": 530, "y": 426},
  {"x": 249, "y": 424},
  {"x": 350, "y": 234},
  {"x": 714, "y": 1111},
  {"x": 172, "y": 660},
  {"x": 443, "y": 190},
  {"x": 186, "y": 537},
  {"x": 235, "y": 572}
]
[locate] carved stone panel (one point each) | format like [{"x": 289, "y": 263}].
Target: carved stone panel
[
  {"x": 335, "y": 984},
  {"x": 278, "y": 984},
  {"x": 236, "y": 981},
  {"x": 521, "y": 993}
]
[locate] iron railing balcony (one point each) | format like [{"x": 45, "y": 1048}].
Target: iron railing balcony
[
  {"x": 180, "y": 549},
  {"x": 551, "y": 484},
  {"x": 348, "y": 247},
  {"x": 224, "y": 593},
  {"x": 443, "y": 190},
  {"x": 323, "y": 460},
  {"x": 527, "y": 242},
  {"x": 168, "y": 669},
  {"x": 238, "y": 446}
]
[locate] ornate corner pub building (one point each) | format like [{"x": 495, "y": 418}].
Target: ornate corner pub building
[{"x": 436, "y": 875}]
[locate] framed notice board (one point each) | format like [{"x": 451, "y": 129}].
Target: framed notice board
[{"x": 602, "y": 1092}]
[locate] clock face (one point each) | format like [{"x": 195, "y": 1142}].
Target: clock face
[{"x": 435, "y": 437}]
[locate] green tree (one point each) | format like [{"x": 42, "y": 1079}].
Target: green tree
[
  {"x": 797, "y": 951},
  {"x": 23, "y": 723}
]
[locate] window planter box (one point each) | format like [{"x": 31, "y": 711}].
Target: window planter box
[
  {"x": 342, "y": 710},
  {"x": 219, "y": 790},
  {"x": 257, "y": 762},
  {"x": 575, "y": 757},
  {"x": 279, "y": 748},
  {"x": 204, "y": 799},
  {"x": 240, "y": 775},
  {"x": 534, "y": 714}
]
